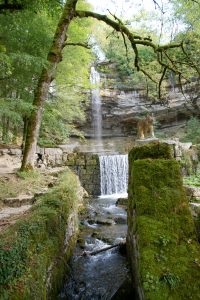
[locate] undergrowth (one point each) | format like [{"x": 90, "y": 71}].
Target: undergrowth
[
  {"x": 29, "y": 247},
  {"x": 193, "y": 180},
  {"x": 22, "y": 183}
]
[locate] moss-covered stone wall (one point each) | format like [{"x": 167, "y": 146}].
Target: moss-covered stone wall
[
  {"x": 87, "y": 167},
  {"x": 162, "y": 243},
  {"x": 35, "y": 250}
]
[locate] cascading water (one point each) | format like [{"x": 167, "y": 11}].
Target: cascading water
[
  {"x": 114, "y": 174},
  {"x": 96, "y": 104}
]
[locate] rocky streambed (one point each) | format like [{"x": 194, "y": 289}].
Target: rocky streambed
[{"x": 96, "y": 273}]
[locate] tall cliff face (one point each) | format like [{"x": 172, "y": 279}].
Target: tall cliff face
[{"x": 124, "y": 103}]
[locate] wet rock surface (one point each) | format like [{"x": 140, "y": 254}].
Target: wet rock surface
[{"x": 122, "y": 202}]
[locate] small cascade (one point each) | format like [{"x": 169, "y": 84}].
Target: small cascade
[
  {"x": 96, "y": 105},
  {"x": 114, "y": 174}
]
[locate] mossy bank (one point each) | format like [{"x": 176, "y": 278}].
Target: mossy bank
[
  {"x": 35, "y": 250},
  {"x": 162, "y": 242}
]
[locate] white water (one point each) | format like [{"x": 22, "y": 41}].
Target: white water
[
  {"x": 114, "y": 174},
  {"x": 96, "y": 105}
]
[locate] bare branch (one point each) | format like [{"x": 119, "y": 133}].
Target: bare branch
[
  {"x": 160, "y": 82},
  {"x": 158, "y": 5},
  {"x": 190, "y": 61},
  {"x": 174, "y": 66},
  {"x": 148, "y": 75},
  {"x": 84, "y": 45},
  {"x": 123, "y": 36}
]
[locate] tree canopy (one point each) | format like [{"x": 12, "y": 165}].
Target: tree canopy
[{"x": 32, "y": 55}]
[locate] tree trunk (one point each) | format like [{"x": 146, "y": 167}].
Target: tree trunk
[
  {"x": 41, "y": 92},
  {"x": 5, "y": 129},
  {"x": 25, "y": 126},
  {"x": 15, "y": 135}
]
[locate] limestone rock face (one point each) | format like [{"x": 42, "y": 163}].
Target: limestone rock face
[{"x": 124, "y": 103}]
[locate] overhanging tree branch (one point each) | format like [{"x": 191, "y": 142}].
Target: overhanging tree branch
[
  {"x": 84, "y": 45},
  {"x": 123, "y": 36},
  {"x": 160, "y": 82},
  {"x": 135, "y": 41},
  {"x": 189, "y": 59},
  {"x": 120, "y": 27}
]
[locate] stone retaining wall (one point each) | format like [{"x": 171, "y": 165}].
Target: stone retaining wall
[{"x": 87, "y": 167}]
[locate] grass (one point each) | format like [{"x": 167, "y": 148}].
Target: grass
[{"x": 22, "y": 183}]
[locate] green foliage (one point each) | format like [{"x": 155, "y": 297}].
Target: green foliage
[
  {"x": 23, "y": 54},
  {"x": 151, "y": 282},
  {"x": 193, "y": 180},
  {"x": 162, "y": 241},
  {"x": 171, "y": 279},
  {"x": 27, "y": 45},
  {"x": 188, "y": 13},
  {"x": 192, "y": 131},
  {"x": 116, "y": 51},
  {"x": 65, "y": 109},
  {"x": 34, "y": 243},
  {"x": 13, "y": 258},
  {"x": 5, "y": 65}
]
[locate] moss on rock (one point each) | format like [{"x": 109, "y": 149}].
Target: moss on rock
[
  {"x": 160, "y": 221},
  {"x": 151, "y": 150},
  {"x": 34, "y": 251}
]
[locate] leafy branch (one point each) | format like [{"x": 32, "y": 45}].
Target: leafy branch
[{"x": 136, "y": 41}]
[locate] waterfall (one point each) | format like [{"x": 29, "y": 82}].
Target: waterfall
[
  {"x": 96, "y": 104},
  {"x": 114, "y": 174}
]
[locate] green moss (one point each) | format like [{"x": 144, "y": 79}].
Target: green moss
[
  {"x": 168, "y": 263},
  {"x": 33, "y": 248},
  {"x": 152, "y": 150}
]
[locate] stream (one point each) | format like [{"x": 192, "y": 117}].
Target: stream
[
  {"x": 99, "y": 276},
  {"x": 96, "y": 274}
]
